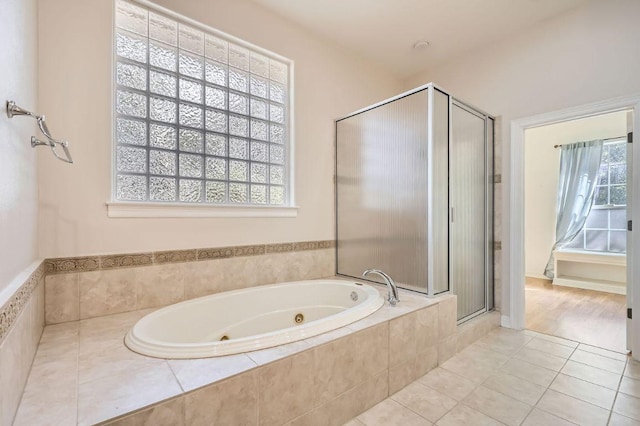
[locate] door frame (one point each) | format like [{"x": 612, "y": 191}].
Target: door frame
[{"x": 516, "y": 275}]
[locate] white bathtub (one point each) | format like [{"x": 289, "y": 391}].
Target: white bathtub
[{"x": 250, "y": 319}]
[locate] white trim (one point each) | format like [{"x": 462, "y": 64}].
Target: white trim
[
  {"x": 505, "y": 321},
  {"x": 601, "y": 258},
  {"x": 289, "y": 123},
  {"x": 607, "y": 287},
  {"x": 516, "y": 206},
  {"x": 167, "y": 210},
  {"x": 536, "y": 276},
  {"x": 14, "y": 285}
]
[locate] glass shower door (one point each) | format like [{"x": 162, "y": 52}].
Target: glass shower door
[{"x": 467, "y": 185}]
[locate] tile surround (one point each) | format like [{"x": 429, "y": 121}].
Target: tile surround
[
  {"x": 158, "y": 279},
  {"x": 66, "y": 276},
  {"x": 21, "y": 325},
  {"x": 92, "y": 263},
  {"x": 322, "y": 381}
]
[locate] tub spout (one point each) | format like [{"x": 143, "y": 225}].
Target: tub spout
[{"x": 391, "y": 285}]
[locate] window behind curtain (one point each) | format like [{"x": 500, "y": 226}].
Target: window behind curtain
[{"x": 605, "y": 229}]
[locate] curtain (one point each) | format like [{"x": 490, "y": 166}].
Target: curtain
[{"x": 579, "y": 165}]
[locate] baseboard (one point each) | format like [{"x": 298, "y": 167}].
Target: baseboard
[
  {"x": 505, "y": 321},
  {"x": 537, "y": 276},
  {"x": 591, "y": 285}
]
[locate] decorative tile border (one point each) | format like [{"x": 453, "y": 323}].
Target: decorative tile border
[
  {"x": 65, "y": 265},
  {"x": 10, "y": 311}
]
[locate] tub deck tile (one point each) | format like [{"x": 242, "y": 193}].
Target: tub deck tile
[
  {"x": 195, "y": 373},
  {"x": 103, "y": 381}
]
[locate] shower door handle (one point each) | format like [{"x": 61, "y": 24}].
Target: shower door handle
[{"x": 452, "y": 214}]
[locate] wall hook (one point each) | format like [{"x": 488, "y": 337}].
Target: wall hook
[{"x": 15, "y": 110}]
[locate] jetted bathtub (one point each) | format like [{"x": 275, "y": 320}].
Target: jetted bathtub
[{"x": 251, "y": 319}]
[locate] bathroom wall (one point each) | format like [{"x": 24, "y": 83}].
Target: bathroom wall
[
  {"x": 75, "y": 90},
  {"x": 21, "y": 280},
  {"x": 582, "y": 56},
  {"x": 18, "y": 171},
  {"x": 541, "y": 170}
]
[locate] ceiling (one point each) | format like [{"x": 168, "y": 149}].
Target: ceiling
[{"x": 385, "y": 31}]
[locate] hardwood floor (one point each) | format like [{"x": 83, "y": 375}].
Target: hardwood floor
[{"x": 586, "y": 316}]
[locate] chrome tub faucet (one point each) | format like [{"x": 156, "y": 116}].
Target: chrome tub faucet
[{"x": 391, "y": 285}]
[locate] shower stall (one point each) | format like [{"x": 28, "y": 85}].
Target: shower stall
[{"x": 414, "y": 196}]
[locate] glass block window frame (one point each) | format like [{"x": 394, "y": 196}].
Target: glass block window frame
[
  {"x": 200, "y": 117},
  {"x": 606, "y": 227}
]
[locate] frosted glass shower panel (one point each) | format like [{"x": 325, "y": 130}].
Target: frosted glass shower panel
[
  {"x": 381, "y": 182},
  {"x": 467, "y": 182},
  {"x": 439, "y": 225}
]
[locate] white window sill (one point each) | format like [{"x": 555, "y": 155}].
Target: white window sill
[
  {"x": 170, "y": 210},
  {"x": 603, "y": 258}
]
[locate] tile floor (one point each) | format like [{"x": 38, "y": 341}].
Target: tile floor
[{"x": 518, "y": 378}]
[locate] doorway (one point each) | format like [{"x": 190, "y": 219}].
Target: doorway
[
  {"x": 579, "y": 291},
  {"x": 513, "y": 245}
]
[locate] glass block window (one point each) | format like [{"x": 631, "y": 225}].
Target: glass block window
[
  {"x": 606, "y": 225},
  {"x": 199, "y": 118}
]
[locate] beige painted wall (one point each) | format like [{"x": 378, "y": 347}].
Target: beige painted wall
[
  {"x": 585, "y": 55},
  {"x": 541, "y": 171},
  {"x": 75, "y": 90},
  {"x": 18, "y": 171}
]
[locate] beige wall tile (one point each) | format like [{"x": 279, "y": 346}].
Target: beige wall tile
[
  {"x": 169, "y": 413},
  {"x": 107, "y": 292},
  {"x": 447, "y": 316},
  {"x": 16, "y": 353},
  {"x": 62, "y": 298},
  {"x": 204, "y": 277},
  {"x": 373, "y": 344},
  {"x": 402, "y": 339},
  {"x": 427, "y": 328},
  {"x": 348, "y": 405},
  {"x": 287, "y": 388},
  {"x": 38, "y": 315},
  {"x": 400, "y": 375},
  {"x": 427, "y": 361},
  {"x": 230, "y": 402},
  {"x": 159, "y": 285},
  {"x": 338, "y": 368},
  {"x": 447, "y": 348},
  {"x": 349, "y": 361},
  {"x": 468, "y": 333}
]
